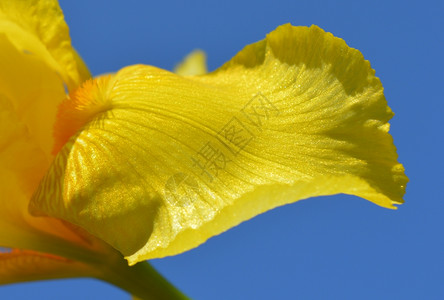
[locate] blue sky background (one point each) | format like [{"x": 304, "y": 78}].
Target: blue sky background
[{"x": 338, "y": 247}]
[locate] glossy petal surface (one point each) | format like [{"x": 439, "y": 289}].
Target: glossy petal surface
[{"x": 160, "y": 163}]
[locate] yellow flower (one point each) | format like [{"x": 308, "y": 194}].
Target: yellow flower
[
  {"x": 154, "y": 163},
  {"x": 37, "y": 63},
  {"x": 37, "y": 60}
]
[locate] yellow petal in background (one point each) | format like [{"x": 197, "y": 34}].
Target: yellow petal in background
[
  {"x": 36, "y": 61},
  {"x": 168, "y": 161},
  {"x": 38, "y": 28},
  {"x": 193, "y": 64}
]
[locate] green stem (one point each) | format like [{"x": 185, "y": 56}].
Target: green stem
[{"x": 142, "y": 281}]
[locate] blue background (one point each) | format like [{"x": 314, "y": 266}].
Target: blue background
[{"x": 338, "y": 247}]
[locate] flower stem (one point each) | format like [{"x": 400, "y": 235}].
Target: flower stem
[
  {"x": 142, "y": 281},
  {"x": 107, "y": 264}
]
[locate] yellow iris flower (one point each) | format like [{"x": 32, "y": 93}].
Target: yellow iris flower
[{"x": 146, "y": 163}]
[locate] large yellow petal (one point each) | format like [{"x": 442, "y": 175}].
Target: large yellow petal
[
  {"x": 20, "y": 265},
  {"x": 36, "y": 61},
  {"x": 159, "y": 163}
]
